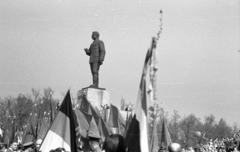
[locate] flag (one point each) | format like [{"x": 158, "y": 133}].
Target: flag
[
  {"x": 33, "y": 123},
  {"x": 128, "y": 122},
  {"x": 6, "y": 133},
  {"x": 137, "y": 134},
  {"x": 30, "y": 130},
  {"x": 105, "y": 114},
  {"x": 165, "y": 139},
  {"x": 93, "y": 130},
  {"x": 153, "y": 71},
  {"x": 83, "y": 121},
  {"x": 51, "y": 111},
  {"x": 42, "y": 127},
  {"x": 27, "y": 135},
  {"x": 116, "y": 120},
  {"x": 62, "y": 131},
  {"x": 154, "y": 138},
  {"x": 113, "y": 118},
  {"x": 85, "y": 105},
  {"x": 103, "y": 128},
  {"x": 12, "y": 131}
]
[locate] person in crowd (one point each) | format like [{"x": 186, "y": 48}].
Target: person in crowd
[
  {"x": 162, "y": 149},
  {"x": 13, "y": 147},
  {"x": 94, "y": 143},
  {"x": 58, "y": 150},
  {"x": 114, "y": 143},
  {"x": 174, "y": 147},
  {"x": 28, "y": 147},
  {"x": 3, "y": 147},
  {"x": 80, "y": 146},
  {"x": 38, "y": 144},
  {"x": 19, "y": 148}
]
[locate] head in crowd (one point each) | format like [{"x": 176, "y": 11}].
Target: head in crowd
[
  {"x": 13, "y": 146},
  {"x": 38, "y": 143},
  {"x": 174, "y": 147},
  {"x": 80, "y": 146},
  {"x": 58, "y": 150},
  {"x": 28, "y": 147},
  {"x": 114, "y": 143},
  {"x": 94, "y": 143},
  {"x": 162, "y": 148},
  {"x": 3, "y": 147}
]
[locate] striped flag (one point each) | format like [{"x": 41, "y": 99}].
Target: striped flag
[
  {"x": 62, "y": 132},
  {"x": 137, "y": 134}
]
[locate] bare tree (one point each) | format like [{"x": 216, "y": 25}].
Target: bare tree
[{"x": 174, "y": 127}]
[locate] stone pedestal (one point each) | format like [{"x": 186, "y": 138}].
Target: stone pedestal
[{"x": 96, "y": 97}]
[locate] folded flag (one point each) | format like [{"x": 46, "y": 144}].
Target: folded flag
[
  {"x": 83, "y": 121},
  {"x": 116, "y": 121}
]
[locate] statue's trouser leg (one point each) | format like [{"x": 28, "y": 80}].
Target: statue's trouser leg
[{"x": 95, "y": 68}]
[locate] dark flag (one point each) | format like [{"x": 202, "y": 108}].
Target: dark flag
[
  {"x": 104, "y": 115},
  {"x": 33, "y": 124},
  {"x": 6, "y": 133},
  {"x": 42, "y": 127},
  {"x": 83, "y": 121},
  {"x": 104, "y": 130},
  {"x": 12, "y": 131},
  {"x": 165, "y": 139},
  {"x": 154, "y": 138},
  {"x": 62, "y": 131},
  {"x": 51, "y": 111},
  {"x": 29, "y": 133},
  {"x": 85, "y": 106},
  {"x": 116, "y": 120},
  {"x": 128, "y": 122}
]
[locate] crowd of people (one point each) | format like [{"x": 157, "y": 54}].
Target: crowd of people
[
  {"x": 16, "y": 147},
  {"x": 218, "y": 145},
  {"x": 116, "y": 143},
  {"x": 113, "y": 143}
]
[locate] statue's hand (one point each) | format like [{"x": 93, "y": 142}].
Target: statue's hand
[
  {"x": 100, "y": 62},
  {"x": 86, "y": 50}
]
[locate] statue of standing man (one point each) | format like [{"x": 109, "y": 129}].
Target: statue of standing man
[{"x": 97, "y": 54}]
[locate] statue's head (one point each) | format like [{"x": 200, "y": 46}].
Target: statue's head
[{"x": 95, "y": 35}]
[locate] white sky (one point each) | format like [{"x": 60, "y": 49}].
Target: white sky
[{"x": 42, "y": 41}]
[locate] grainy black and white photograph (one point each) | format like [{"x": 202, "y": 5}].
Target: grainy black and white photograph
[{"x": 119, "y": 76}]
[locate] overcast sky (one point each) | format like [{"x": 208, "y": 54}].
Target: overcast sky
[{"x": 42, "y": 42}]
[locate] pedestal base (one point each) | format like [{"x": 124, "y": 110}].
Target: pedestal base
[{"x": 97, "y": 97}]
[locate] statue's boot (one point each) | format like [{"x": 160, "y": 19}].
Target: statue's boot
[{"x": 95, "y": 81}]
